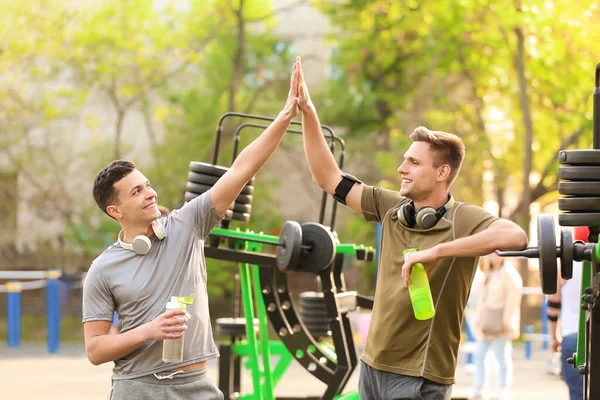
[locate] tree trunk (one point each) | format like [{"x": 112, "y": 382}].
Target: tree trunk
[
  {"x": 118, "y": 132},
  {"x": 238, "y": 57}
]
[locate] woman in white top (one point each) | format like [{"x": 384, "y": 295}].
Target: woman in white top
[{"x": 497, "y": 318}]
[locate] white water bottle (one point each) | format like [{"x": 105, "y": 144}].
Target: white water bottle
[{"x": 173, "y": 348}]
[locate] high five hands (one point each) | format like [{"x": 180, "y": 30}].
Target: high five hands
[
  {"x": 304, "y": 102},
  {"x": 298, "y": 96},
  {"x": 290, "y": 110}
]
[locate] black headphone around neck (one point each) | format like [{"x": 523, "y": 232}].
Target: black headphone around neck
[{"x": 425, "y": 218}]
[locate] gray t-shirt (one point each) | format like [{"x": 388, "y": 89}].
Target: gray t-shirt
[{"x": 139, "y": 287}]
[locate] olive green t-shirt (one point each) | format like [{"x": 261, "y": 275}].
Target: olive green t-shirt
[{"x": 397, "y": 342}]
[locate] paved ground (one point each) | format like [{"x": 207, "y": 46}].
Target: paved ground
[{"x": 29, "y": 373}]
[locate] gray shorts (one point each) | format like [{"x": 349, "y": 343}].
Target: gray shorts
[
  {"x": 378, "y": 385},
  {"x": 189, "y": 385}
]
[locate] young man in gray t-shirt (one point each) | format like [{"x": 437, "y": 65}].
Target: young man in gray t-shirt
[{"x": 153, "y": 259}]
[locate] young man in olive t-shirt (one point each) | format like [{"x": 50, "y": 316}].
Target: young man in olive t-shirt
[{"x": 406, "y": 358}]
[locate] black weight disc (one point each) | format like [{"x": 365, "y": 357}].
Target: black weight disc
[
  {"x": 241, "y": 208},
  {"x": 237, "y": 216},
  {"x": 579, "y": 173},
  {"x": 231, "y": 326},
  {"x": 196, "y": 187},
  {"x": 591, "y": 188},
  {"x": 579, "y": 219},
  {"x": 322, "y": 247},
  {"x": 315, "y": 320},
  {"x": 313, "y": 309},
  {"x": 566, "y": 255},
  {"x": 207, "y": 169},
  {"x": 310, "y": 305},
  {"x": 290, "y": 240},
  {"x": 209, "y": 179},
  {"x": 193, "y": 187},
  {"x": 190, "y": 196},
  {"x": 547, "y": 248},
  {"x": 312, "y": 297},
  {"x": 579, "y": 204},
  {"x": 242, "y": 198},
  {"x": 579, "y": 157}
]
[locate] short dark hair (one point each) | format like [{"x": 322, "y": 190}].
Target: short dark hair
[
  {"x": 104, "y": 190},
  {"x": 449, "y": 148}
]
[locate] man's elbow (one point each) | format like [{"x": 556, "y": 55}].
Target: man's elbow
[
  {"x": 520, "y": 239},
  {"x": 93, "y": 359},
  {"x": 320, "y": 182},
  {"x": 93, "y": 356}
]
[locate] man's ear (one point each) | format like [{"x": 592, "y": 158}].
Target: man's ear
[
  {"x": 443, "y": 172},
  {"x": 114, "y": 212}
]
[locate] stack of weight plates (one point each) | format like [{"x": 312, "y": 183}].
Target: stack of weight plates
[
  {"x": 314, "y": 314},
  {"x": 579, "y": 188},
  {"x": 203, "y": 176}
]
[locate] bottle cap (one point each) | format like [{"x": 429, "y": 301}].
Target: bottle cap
[{"x": 175, "y": 304}]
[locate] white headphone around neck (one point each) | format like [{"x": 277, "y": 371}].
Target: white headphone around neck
[{"x": 141, "y": 244}]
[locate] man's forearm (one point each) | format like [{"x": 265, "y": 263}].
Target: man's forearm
[
  {"x": 321, "y": 162},
  {"x": 256, "y": 154},
  {"x": 484, "y": 242},
  {"x": 105, "y": 348}
]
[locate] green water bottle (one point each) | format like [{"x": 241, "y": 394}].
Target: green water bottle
[{"x": 420, "y": 292}]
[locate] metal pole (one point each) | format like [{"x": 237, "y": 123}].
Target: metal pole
[
  {"x": 14, "y": 313},
  {"x": 53, "y": 310},
  {"x": 596, "y": 112}
]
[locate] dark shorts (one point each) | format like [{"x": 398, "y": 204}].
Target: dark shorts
[
  {"x": 196, "y": 385},
  {"x": 378, "y": 385}
]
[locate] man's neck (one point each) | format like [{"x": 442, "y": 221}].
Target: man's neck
[
  {"x": 435, "y": 200},
  {"x": 130, "y": 232}
]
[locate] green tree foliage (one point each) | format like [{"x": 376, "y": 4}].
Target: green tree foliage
[{"x": 494, "y": 73}]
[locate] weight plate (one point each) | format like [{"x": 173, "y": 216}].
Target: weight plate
[
  {"x": 313, "y": 305},
  {"x": 290, "y": 240},
  {"x": 322, "y": 247},
  {"x": 241, "y": 199},
  {"x": 579, "y": 204},
  {"x": 579, "y": 173},
  {"x": 579, "y": 157},
  {"x": 579, "y": 219},
  {"x": 241, "y": 208},
  {"x": 244, "y": 199},
  {"x": 231, "y": 326},
  {"x": 315, "y": 320},
  {"x": 193, "y": 187},
  {"x": 311, "y": 296},
  {"x": 209, "y": 179},
  {"x": 566, "y": 255},
  {"x": 591, "y": 188},
  {"x": 196, "y": 187},
  {"x": 207, "y": 169},
  {"x": 313, "y": 308},
  {"x": 547, "y": 248},
  {"x": 237, "y": 216}
]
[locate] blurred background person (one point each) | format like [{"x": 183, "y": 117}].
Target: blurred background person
[{"x": 496, "y": 321}]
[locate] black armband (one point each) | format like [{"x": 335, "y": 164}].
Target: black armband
[
  {"x": 343, "y": 188},
  {"x": 553, "y": 318},
  {"x": 554, "y": 304}
]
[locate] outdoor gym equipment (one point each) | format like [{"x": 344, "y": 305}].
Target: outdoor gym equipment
[
  {"x": 579, "y": 188},
  {"x": 308, "y": 247}
]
